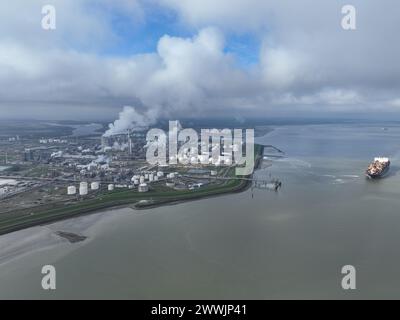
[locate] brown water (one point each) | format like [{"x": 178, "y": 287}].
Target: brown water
[{"x": 290, "y": 244}]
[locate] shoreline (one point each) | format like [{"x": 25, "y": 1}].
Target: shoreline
[
  {"x": 131, "y": 204},
  {"x": 158, "y": 204},
  {"x": 135, "y": 204}
]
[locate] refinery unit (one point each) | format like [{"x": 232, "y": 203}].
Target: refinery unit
[
  {"x": 49, "y": 173},
  {"x": 141, "y": 181},
  {"x": 36, "y": 170}
]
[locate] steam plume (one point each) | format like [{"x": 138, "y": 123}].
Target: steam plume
[{"x": 130, "y": 119}]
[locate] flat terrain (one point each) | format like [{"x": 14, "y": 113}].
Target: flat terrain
[{"x": 158, "y": 195}]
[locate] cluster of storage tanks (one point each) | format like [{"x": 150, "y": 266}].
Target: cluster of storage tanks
[
  {"x": 150, "y": 177},
  {"x": 83, "y": 188},
  {"x": 141, "y": 181},
  {"x": 226, "y": 158}
]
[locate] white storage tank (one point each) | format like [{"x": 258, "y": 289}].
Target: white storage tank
[
  {"x": 95, "y": 185},
  {"x": 170, "y": 184},
  {"x": 155, "y": 178},
  {"x": 136, "y": 182},
  {"x": 110, "y": 187},
  {"x": 160, "y": 174},
  {"x": 151, "y": 177},
  {"x": 135, "y": 177},
  {"x": 146, "y": 176},
  {"x": 83, "y": 188},
  {"x": 141, "y": 179},
  {"x": 71, "y": 190},
  {"x": 143, "y": 187}
]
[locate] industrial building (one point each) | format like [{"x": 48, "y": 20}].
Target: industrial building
[{"x": 143, "y": 187}]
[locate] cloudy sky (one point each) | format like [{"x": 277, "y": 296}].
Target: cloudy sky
[{"x": 198, "y": 58}]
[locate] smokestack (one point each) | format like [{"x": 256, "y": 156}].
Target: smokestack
[{"x": 130, "y": 141}]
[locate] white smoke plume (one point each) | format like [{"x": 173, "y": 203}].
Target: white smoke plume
[{"x": 130, "y": 119}]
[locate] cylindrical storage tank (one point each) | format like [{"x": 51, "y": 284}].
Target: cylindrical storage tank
[
  {"x": 71, "y": 190},
  {"x": 155, "y": 178},
  {"x": 95, "y": 185},
  {"x": 141, "y": 180},
  {"x": 172, "y": 175},
  {"x": 160, "y": 174},
  {"x": 143, "y": 187},
  {"x": 151, "y": 177},
  {"x": 170, "y": 184},
  {"x": 136, "y": 182},
  {"x": 146, "y": 176},
  {"x": 83, "y": 188},
  {"x": 135, "y": 178},
  {"x": 110, "y": 187}
]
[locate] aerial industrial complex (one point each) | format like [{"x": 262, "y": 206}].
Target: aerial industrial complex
[{"x": 51, "y": 176}]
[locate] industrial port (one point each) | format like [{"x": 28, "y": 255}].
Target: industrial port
[{"x": 54, "y": 173}]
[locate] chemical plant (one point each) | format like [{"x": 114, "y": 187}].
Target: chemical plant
[{"x": 42, "y": 172}]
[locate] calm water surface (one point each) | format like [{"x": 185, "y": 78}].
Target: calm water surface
[{"x": 290, "y": 244}]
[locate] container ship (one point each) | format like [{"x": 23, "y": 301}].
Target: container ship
[{"x": 378, "y": 168}]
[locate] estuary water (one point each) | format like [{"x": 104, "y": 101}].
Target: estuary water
[{"x": 254, "y": 245}]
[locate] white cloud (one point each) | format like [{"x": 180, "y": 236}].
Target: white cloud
[
  {"x": 183, "y": 75},
  {"x": 306, "y": 59},
  {"x": 282, "y": 68}
]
